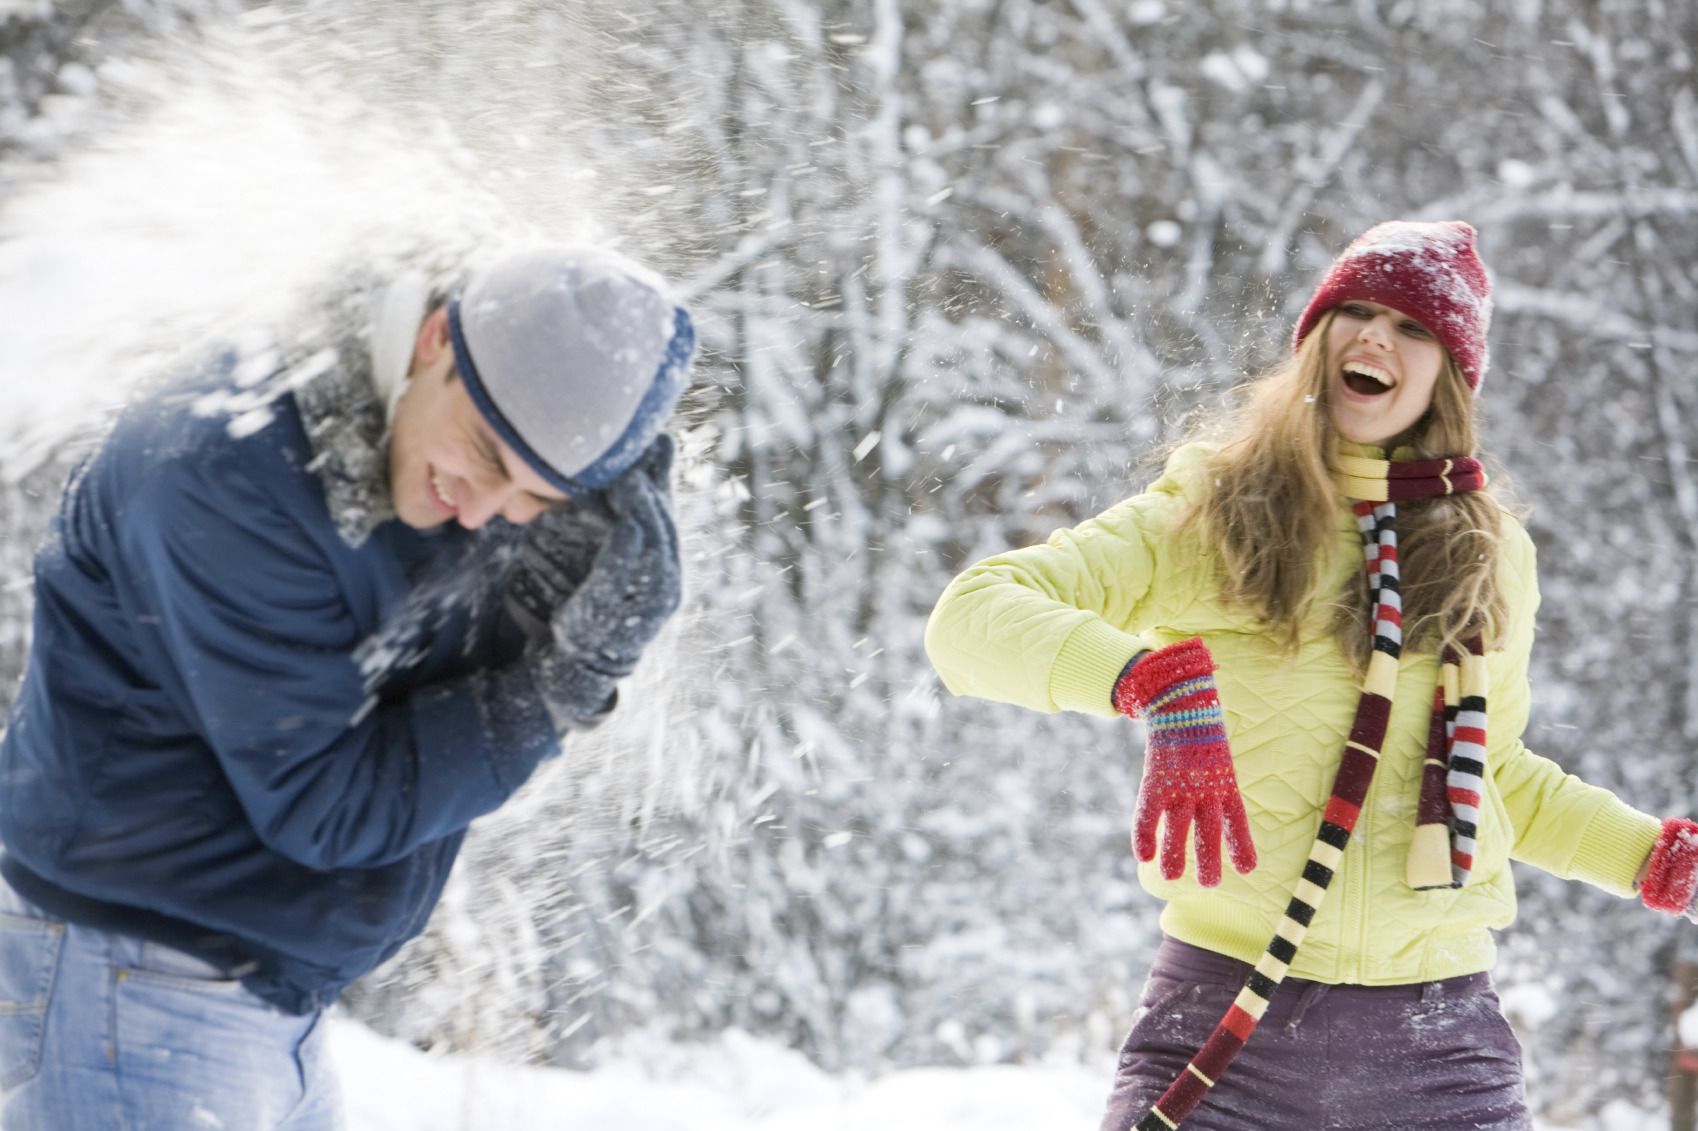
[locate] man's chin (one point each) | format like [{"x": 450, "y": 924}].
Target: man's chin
[{"x": 421, "y": 518}]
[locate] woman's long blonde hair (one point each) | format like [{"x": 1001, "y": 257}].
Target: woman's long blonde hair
[{"x": 1273, "y": 515}]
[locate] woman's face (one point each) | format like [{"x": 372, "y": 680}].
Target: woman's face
[{"x": 1382, "y": 367}]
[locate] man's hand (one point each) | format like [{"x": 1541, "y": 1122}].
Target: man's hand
[
  {"x": 556, "y": 552},
  {"x": 599, "y": 632}
]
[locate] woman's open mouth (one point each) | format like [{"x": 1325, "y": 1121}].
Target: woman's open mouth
[{"x": 1366, "y": 380}]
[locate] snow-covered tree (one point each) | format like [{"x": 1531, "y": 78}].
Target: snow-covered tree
[{"x": 962, "y": 267}]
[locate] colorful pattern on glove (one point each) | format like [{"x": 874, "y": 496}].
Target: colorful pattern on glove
[
  {"x": 1671, "y": 879},
  {"x": 1188, "y": 774}
]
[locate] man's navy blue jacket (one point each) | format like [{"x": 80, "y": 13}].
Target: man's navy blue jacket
[{"x": 196, "y": 755}]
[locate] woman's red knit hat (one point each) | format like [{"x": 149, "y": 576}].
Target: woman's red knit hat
[{"x": 1430, "y": 272}]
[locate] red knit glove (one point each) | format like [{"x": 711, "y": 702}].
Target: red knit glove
[
  {"x": 1187, "y": 766},
  {"x": 1671, "y": 875}
]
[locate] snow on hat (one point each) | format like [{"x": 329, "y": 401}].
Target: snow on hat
[
  {"x": 1430, "y": 272},
  {"x": 575, "y": 356}
]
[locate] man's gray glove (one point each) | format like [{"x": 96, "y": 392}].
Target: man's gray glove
[
  {"x": 598, "y": 633},
  {"x": 555, "y": 554}
]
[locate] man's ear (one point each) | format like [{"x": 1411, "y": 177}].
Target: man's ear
[{"x": 433, "y": 338}]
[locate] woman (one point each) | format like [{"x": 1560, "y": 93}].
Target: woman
[{"x": 1370, "y": 795}]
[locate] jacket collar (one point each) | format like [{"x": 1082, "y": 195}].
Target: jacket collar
[{"x": 346, "y": 411}]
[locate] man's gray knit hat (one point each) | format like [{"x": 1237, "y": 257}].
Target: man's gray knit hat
[{"x": 575, "y": 357}]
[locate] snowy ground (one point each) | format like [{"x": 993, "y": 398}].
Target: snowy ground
[{"x": 739, "y": 1083}]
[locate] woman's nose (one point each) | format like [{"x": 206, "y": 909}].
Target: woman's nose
[{"x": 1376, "y": 332}]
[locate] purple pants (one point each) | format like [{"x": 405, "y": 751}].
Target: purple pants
[{"x": 1434, "y": 1056}]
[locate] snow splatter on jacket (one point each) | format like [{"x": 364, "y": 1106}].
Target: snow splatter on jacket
[
  {"x": 1051, "y": 626},
  {"x": 243, "y": 732}
]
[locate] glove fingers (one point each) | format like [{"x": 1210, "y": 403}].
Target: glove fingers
[
  {"x": 554, "y": 554},
  {"x": 650, "y": 475},
  {"x": 1145, "y": 820},
  {"x": 662, "y": 584},
  {"x": 598, "y": 603},
  {"x": 657, "y": 461},
  {"x": 1173, "y": 838},
  {"x": 641, "y": 501},
  {"x": 656, "y": 579},
  {"x": 1238, "y": 842},
  {"x": 547, "y": 569},
  {"x": 617, "y": 560},
  {"x": 1208, "y": 844},
  {"x": 654, "y": 583}
]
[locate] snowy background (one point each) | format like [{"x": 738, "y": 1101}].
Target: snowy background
[{"x": 961, "y": 266}]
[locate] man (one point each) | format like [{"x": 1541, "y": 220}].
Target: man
[{"x": 284, "y": 654}]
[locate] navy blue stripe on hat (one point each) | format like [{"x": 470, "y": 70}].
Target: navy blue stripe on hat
[{"x": 657, "y": 404}]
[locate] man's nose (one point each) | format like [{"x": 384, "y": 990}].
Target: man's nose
[
  {"x": 508, "y": 500},
  {"x": 487, "y": 500},
  {"x": 475, "y": 515}
]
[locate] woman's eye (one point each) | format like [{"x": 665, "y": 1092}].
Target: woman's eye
[
  {"x": 1415, "y": 330},
  {"x": 1351, "y": 310}
]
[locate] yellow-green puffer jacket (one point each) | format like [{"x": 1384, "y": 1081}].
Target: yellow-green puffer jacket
[{"x": 1050, "y": 627}]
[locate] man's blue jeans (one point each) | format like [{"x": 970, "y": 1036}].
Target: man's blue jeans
[{"x": 103, "y": 1032}]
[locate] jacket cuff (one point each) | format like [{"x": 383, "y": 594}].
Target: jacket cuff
[
  {"x": 521, "y": 731},
  {"x": 1616, "y": 842},
  {"x": 1152, "y": 677},
  {"x": 1091, "y": 659}
]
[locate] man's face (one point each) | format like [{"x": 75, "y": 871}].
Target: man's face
[{"x": 445, "y": 462}]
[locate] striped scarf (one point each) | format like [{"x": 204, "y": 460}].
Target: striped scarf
[{"x": 1442, "y": 852}]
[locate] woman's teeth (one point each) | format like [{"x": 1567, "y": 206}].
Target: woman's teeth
[{"x": 1366, "y": 379}]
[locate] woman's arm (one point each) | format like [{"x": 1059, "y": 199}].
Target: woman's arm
[
  {"x": 1561, "y": 824},
  {"x": 1045, "y": 627},
  {"x": 1571, "y": 829}
]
